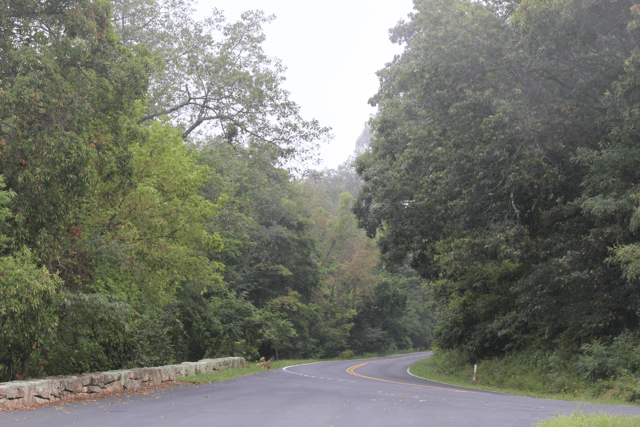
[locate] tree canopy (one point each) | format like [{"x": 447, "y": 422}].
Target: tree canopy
[
  {"x": 504, "y": 166},
  {"x": 214, "y": 77},
  {"x": 152, "y": 205}
]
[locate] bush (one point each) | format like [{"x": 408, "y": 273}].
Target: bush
[
  {"x": 94, "y": 334},
  {"x": 347, "y": 354},
  {"x": 157, "y": 337},
  {"x": 28, "y": 318},
  {"x": 607, "y": 360}
]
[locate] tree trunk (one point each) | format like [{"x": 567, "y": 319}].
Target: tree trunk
[{"x": 26, "y": 367}]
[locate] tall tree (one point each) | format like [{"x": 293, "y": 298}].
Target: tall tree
[
  {"x": 214, "y": 77},
  {"x": 69, "y": 90},
  {"x": 147, "y": 240},
  {"x": 472, "y": 173}
]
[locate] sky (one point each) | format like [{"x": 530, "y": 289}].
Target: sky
[{"x": 332, "y": 49}]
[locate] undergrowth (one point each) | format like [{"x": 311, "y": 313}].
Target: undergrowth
[
  {"x": 534, "y": 373},
  {"x": 591, "y": 420}
]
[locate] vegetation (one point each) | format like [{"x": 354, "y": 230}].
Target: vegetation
[
  {"x": 155, "y": 205},
  {"x": 533, "y": 374},
  {"x": 504, "y": 169},
  {"x": 591, "y": 420}
]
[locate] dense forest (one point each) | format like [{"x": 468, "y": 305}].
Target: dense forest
[
  {"x": 505, "y": 167},
  {"x": 158, "y": 202}
]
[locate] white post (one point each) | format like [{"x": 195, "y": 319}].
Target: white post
[{"x": 475, "y": 368}]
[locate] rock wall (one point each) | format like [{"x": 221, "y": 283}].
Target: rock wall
[{"x": 18, "y": 394}]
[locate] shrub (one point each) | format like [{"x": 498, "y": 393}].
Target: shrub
[
  {"x": 28, "y": 318},
  {"x": 94, "y": 334},
  {"x": 605, "y": 360}
]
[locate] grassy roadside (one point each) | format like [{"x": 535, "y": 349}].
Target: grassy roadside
[
  {"x": 591, "y": 420},
  {"x": 521, "y": 376},
  {"x": 251, "y": 368},
  {"x": 512, "y": 377}
]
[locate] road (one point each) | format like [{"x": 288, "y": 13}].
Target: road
[{"x": 366, "y": 393}]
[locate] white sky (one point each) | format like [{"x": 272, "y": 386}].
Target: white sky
[{"x": 332, "y": 49}]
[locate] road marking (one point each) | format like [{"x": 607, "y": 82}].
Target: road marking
[{"x": 352, "y": 371}]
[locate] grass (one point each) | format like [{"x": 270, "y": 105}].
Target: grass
[
  {"x": 251, "y": 368},
  {"x": 591, "y": 420},
  {"x": 230, "y": 373},
  {"x": 515, "y": 377}
]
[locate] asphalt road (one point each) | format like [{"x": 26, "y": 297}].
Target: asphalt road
[{"x": 366, "y": 393}]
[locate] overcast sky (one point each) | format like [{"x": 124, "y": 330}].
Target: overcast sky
[{"x": 332, "y": 49}]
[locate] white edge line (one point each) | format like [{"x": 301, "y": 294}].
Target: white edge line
[
  {"x": 302, "y": 364},
  {"x": 471, "y": 388},
  {"x": 499, "y": 392}
]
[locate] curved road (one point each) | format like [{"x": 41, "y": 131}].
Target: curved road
[{"x": 367, "y": 393}]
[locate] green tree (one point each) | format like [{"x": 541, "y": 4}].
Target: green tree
[
  {"x": 378, "y": 326},
  {"x": 496, "y": 168},
  {"x": 28, "y": 318},
  {"x": 266, "y": 228},
  {"x": 214, "y": 77},
  {"x": 68, "y": 91},
  {"x": 28, "y": 299},
  {"x": 146, "y": 240}
]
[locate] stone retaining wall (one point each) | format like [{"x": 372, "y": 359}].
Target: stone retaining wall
[{"x": 18, "y": 394}]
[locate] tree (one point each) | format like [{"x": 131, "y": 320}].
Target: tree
[
  {"x": 28, "y": 298},
  {"x": 28, "y": 318},
  {"x": 265, "y": 228},
  {"x": 215, "y": 78},
  {"x": 69, "y": 90},
  {"x": 146, "y": 240},
  {"x": 487, "y": 169},
  {"x": 378, "y": 326}
]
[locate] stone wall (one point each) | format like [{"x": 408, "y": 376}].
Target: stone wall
[{"x": 18, "y": 394}]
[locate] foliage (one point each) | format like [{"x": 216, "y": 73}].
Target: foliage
[
  {"x": 156, "y": 337},
  {"x": 94, "y": 334},
  {"x": 28, "y": 300},
  {"x": 503, "y": 168},
  {"x": 213, "y": 325},
  {"x": 599, "y": 360},
  {"x": 145, "y": 240},
  {"x": 265, "y": 227},
  {"x": 277, "y": 329},
  {"x": 378, "y": 325},
  {"x": 213, "y": 76},
  {"x": 68, "y": 91},
  {"x": 603, "y": 372}
]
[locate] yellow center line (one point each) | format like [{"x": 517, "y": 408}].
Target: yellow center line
[{"x": 352, "y": 371}]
